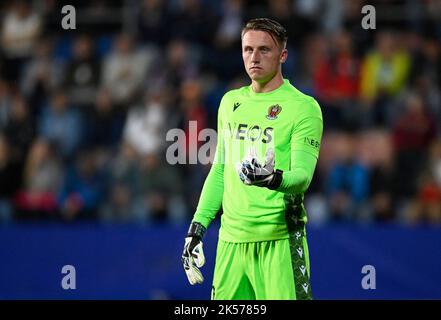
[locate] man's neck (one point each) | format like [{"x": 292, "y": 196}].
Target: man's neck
[{"x": 273, "y": 84}]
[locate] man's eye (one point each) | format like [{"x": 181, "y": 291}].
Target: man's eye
[{"x": 265, "y": 50}]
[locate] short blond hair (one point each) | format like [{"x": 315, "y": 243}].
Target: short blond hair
[{"x": 275, "y": 29}]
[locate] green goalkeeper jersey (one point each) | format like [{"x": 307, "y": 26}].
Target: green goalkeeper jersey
[{"x": 284, "y": 119}]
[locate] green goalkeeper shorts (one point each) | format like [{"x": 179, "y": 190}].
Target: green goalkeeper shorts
[{"x": 267, "y": 270}]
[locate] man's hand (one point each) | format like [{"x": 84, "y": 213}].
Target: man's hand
[
  {"x": 253, "y": 173},
  {"x": 193, "y": 256}
]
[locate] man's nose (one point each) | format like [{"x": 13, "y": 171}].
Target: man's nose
[{"x": 255, "y": 57}]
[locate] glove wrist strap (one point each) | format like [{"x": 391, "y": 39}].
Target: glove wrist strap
[
  {"x": 196, "y": 230},
  {"x": 276, "y": 181}
]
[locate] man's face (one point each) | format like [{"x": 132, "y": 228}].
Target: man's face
[{"x": 261, "y": 55}]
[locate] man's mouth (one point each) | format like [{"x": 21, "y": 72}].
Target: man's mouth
[{"x": 255, "y": 68}]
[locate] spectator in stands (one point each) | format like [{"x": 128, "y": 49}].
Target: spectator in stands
[
  {"x": 384, "y": 73},
  {"x": 82, "y": 73},
  {"x": 10, "y": 179},
  {"x": 20, "y": 30},
  {"x": 427, "y": 60},
  {"x": 426, "y": 205},
  {"x": 230, "y": 24},
  {"x": 297, "y": 25},
  {"x": 314, "y": 51},
  {"x": 378, "y": 150},
  {"x": 159, "y": 190},
  {"x": 193, "y": 121},
  {"x": 125, "y": 70},
  {"x": 5, "y": 104},
  {"x": 42, "y": 180},
  {"x": 226, "y": 41},
  {"x": 433, "y": 10},
  {"x": 194, "y": 22},
  {"x": 347, "y": 183},
  {"x": 41, "y": 77},
  {"x": 336, "y": 81},
  {"x": 153, "y": 22},
  {"x": 192, "y": 108},
  {"x": 179, "y": 64},
  {"x": 144, "y": 128},
  {"x": 83, "y": 188},
  {"x": 61, "y": 124},
  {"x": 412, "y": 134},
  {"x": 20, "y": 129},
  {"x": 120, "y": 204},
  {"x": 426, "y": 75},
  {"x": 104, "y": 123}
]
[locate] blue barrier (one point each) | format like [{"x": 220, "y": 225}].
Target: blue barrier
[{"x": 143, "y": 262}]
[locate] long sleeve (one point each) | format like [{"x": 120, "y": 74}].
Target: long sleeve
[
  {"x": 297, "y": 180},
  {"x": 305, "y": 146},
  {"x": 210, "y": 200}
]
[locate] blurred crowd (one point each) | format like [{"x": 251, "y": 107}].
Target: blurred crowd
[{"x": 84, "y": 113}]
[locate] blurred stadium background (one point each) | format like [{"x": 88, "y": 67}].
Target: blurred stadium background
[{"x": 84, "y": 113}]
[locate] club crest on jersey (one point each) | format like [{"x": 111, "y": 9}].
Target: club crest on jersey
[{"x": 273, "y": 111}]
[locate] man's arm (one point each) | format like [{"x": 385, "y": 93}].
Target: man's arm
[
  {"x": 210, "y": 200},
  {"x": 209, "y": 204},
  {"x": 305, "y": 146},
  {"x": 298, "y": 179}
]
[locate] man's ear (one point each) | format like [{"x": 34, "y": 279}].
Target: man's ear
[{"x": 283, "y": 55}]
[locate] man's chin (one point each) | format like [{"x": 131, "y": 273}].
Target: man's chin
[
  {"x": 257, "y": 77},
  {"x": 260, "y": 78}
]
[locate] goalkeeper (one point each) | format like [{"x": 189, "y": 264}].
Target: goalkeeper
[{"x": 268, "y": 144}]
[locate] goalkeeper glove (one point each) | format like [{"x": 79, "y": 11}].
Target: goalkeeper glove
[
  {"x": 251, "y": 172},
  {"x": 193, "y": 256}
]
